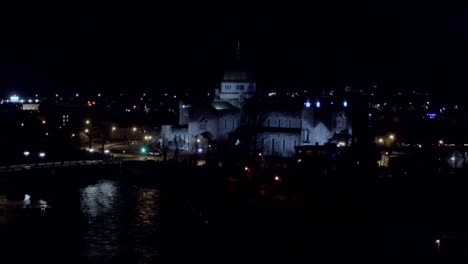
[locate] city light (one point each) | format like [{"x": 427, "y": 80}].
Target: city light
[
  {"x": 86, "y": 130},
  {"x": 381, "y": 140},
  {"x": 26, "y": 153},
  {"x": 345, "y": 103},
  {"x": 14, "y": 98},
  {"x": 73, "y": 135},
  {"x": 87, "y": 122},
  {"x": 277, "y": 178},
  {"x": 200, "y": 150},
  {"x": 317, "y": 104},
  {"x": 441, "y": 142},
  {"x": 391, "y": 136},
  {"x": 143, "y": 150},
  {"x": 437, "y": 243},
  {"x": 42, "y": 154},
  {"x": 114, "y": 128},
  {"x": 246, "y": 168},
  {"x": 198, "y": 140},
  {"x": 43, "y": 122},
  {"x": 106, "y": 151},
  {"x": 91, "y": 150},
  {"x": 134, "y": 129},
  {"x": 307, "y": 104}
]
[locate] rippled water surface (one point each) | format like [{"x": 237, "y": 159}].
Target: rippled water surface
[{"x": 100, "y": 221}]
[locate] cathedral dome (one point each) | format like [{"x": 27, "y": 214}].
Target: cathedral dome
[{"x": 238, "y": 75}]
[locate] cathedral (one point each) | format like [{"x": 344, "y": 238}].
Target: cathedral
[{"x": 277, "y": 130}]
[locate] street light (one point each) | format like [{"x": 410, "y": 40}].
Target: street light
[
  {"x": 43, "y": 122},
  {"x": 87, "y": 122},
  {"x": 392, "y": 137},
  {"x": 114, "y": 128},
  {"x": 381, "y": 140},
  {"x": 42, "y": 154},
  {"x": 26, "y": 153},
  {"x": 86, "y": 130},
  {"x": 134, "y": 129}
]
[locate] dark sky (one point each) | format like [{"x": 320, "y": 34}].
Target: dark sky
[{"x": 186, "y": 47}]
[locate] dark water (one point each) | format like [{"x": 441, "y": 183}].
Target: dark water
[
  {"x": 93, "y": 221},
  {"x": 100, "y": 216}
]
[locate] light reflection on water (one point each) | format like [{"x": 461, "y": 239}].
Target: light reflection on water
[
  {"x": 146, "y": 222},
  {"x": 100, "y": 205},
  {"x": 107, "y": 205},
  {"x": 106, "y": 221}
]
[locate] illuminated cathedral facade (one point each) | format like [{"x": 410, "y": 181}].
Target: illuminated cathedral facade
[{"x": 315, "y": 121}]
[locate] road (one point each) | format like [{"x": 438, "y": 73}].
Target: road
[{"x": 125, "y": 151}]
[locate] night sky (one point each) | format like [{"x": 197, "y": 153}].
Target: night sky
[{"x": 186, "y": 47}]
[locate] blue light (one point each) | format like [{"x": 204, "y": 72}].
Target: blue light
[
  {"x": 317, "y": 104},
  {"x": 345, "y": 103},
  {"x": 431, "y": 115},
  {"x": 307, "y": 104}
]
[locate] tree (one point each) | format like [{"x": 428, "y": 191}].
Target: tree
[
  {"x": 166, "y": 147},
  {"x": 99, "y": 134}
]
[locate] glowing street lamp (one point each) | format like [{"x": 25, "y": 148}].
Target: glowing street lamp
[
  {"x": 441, "y": 142},
  {"x": 392, "y": 137},
  {"x": 87, "y": 122},
  {"x": 86, "y": 130},
  {"x": 134, "y": 129},
  {"x": 42, "y": 154},
  {"x": 114, "y": 128},
  {"x": 381, "y": 141},
  {"x": 26, "y": 153}
]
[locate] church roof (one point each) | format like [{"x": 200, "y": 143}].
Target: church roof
[{"x": 222, "y": 105}]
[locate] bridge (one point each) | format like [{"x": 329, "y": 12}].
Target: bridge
[{"x": 57, "y": 164}]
